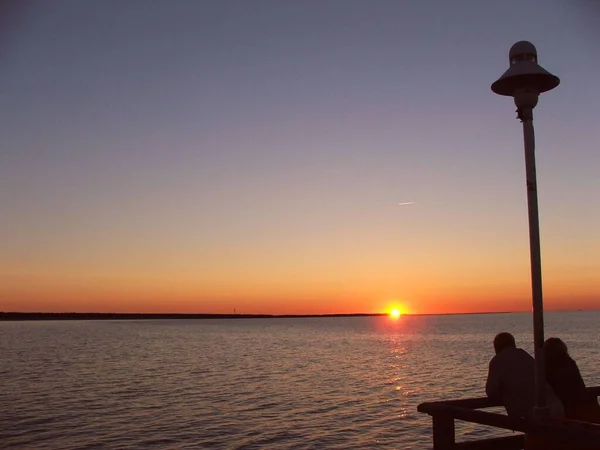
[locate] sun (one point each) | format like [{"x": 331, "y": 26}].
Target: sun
[{"x": 395, "y": 313}]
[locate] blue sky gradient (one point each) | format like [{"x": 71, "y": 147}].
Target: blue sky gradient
[{"x": 214, "y": 153}]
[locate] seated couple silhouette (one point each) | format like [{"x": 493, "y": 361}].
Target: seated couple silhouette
[{"x": 511, "y": 381}]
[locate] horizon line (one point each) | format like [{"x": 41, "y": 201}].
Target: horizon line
[{"x": 16, "y": 315}]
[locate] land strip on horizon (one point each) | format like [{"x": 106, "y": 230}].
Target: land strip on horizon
[{"x": 12, "y": 316}]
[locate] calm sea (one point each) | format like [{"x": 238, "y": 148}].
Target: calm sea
[{"x": 339, "y": 383}]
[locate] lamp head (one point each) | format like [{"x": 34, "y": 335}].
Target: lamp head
[{"x": 524, "y": 73}]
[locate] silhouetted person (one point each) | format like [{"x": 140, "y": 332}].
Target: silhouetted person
[
  {"x": 562, "y": 374},
  {"x": 511, "y": 380}
]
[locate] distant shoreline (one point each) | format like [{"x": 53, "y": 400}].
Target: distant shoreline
[{"x": 23, "y": 316}]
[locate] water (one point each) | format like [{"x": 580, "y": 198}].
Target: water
[{"x": 339, "y": 383}]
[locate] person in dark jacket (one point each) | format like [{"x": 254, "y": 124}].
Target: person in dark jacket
[{"x": 562, "y": 374}]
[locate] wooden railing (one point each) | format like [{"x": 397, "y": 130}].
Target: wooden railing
[{"x": 444, "y": 413}]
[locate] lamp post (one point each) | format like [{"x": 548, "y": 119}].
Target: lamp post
[{"x": 524, "y": 81}]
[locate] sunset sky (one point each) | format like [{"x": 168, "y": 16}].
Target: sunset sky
[{"x": 201, "y": 156}]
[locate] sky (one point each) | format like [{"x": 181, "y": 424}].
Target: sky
[{"x": 201, "y": 156}]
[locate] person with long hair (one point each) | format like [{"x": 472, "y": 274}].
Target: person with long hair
[{"x": 563, "y": 375}]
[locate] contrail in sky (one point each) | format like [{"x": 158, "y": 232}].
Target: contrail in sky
[{"x": 406, "y": 203}]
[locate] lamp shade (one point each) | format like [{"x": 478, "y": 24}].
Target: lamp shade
[{"x": 524, "y": 72}]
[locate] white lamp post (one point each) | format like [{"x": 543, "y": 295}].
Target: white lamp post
[{"x": 524, "y": 81}]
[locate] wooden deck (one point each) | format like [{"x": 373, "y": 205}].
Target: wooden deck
[{"x": 444, "y": 414}]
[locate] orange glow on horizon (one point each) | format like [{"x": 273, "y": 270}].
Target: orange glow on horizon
[{"x": 61, "y": 292}]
